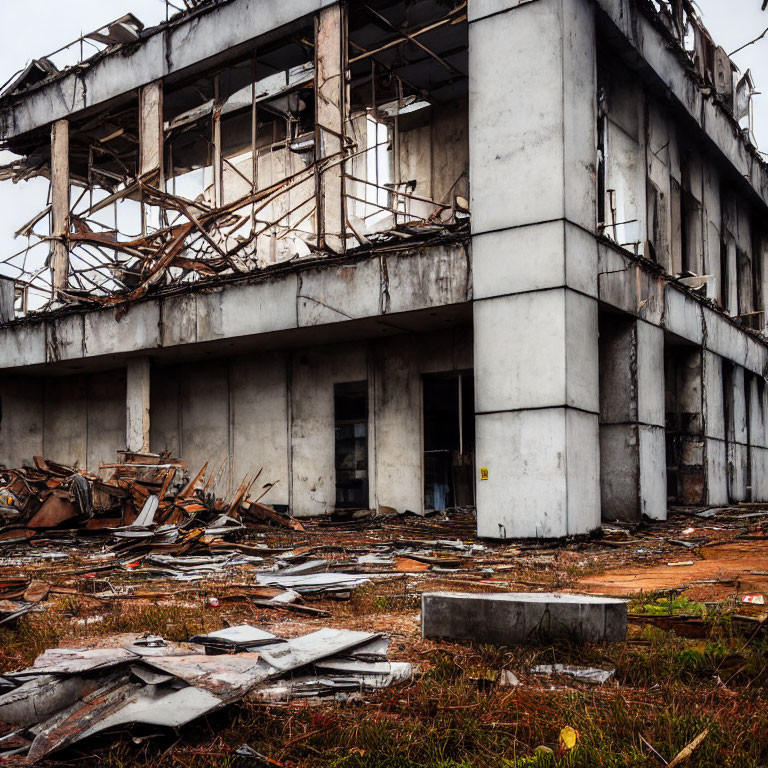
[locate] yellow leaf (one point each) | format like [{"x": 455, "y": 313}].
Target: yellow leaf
[{"x": 568, "y": 738}]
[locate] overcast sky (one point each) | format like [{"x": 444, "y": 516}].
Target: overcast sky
[{"x": 33, "y": 28}]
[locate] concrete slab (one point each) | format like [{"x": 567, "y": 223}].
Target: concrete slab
[{"x": 518, "y": 618}]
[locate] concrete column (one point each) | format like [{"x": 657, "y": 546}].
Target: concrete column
[
  {"x": 137, "y": 405},
  {"x": 151, "y": 129},
  {"x": 715, "y": 445},
  {"x": 330, "y": 118},
  {"x": 532, "y": 161},
  {"x": 633, "y": 469},
  {"x": 60, "y": 202}
]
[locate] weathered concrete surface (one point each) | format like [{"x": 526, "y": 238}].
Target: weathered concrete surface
[
  {"x": 534, "y": 263},
  {"x": 137, "y": 405},
  {"x": 519, "y": 618},
  {"x": 633, "y": 477},
  {"x": 197, "y": 38},
  {"x": 308, "y": 296}
]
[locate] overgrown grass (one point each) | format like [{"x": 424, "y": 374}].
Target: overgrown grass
[{"x": 666, "y": 689}]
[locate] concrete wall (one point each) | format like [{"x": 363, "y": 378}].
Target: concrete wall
[
  {"x": 69, "y": 419},
  {"x": 21, "y": 419},
  {"x": 239, "y": 413}
]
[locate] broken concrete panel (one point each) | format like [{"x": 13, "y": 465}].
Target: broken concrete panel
[
  {"x": 511, "y": 618},
  {"x": 332, "y": 295},
  {"x": 682, "y": 316},
  {"x": 624, "y": 284},
  {"x": 426, "y": 278},
  {"x": 22, "y": 345},
  {"x": 178, "y": 320},
  {"x": 724, "y": 338},
  {"x": 756, "y": 358},
  {"x": 65, "y": 338},
  {"x": 137, "y": 330}
]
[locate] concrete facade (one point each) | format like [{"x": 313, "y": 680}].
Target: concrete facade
[{"x": 586, "y": 245}]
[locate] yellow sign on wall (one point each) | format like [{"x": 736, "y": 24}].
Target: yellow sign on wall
[{"x": 483, "y": 473}]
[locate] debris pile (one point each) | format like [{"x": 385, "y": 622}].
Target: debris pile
[
  {"x": 71, "y": 694},
  {"x": 144, "y": 499}
]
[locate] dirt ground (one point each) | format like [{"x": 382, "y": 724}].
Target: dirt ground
[{"x": 695, "y": 660}]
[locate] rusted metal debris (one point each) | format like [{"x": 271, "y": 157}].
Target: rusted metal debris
[
  {"x": 71, "y": 694},
  {"x": 146, "y": 499}
]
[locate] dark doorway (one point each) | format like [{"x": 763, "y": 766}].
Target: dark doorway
[
  {"x": 686, "y": 475},
  {"x": 351, "y": 418},
  {"x": 449, "y": 440}
]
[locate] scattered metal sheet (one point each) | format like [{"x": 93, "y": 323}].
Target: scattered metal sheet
[
  {"x": 315, "y": 582},
  {"x": 583, "y": 674},
  {"x": 233, "y": 638}
]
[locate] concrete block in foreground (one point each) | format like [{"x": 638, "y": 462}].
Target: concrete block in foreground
[{"x": 518, "y": 618}]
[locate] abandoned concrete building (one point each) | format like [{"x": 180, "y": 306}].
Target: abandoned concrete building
[{"x": 413, "y": 254}]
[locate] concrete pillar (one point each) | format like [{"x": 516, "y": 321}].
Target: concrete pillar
[
  {"x": 633, "y": 469},
  {"x": 714, "y": 429},
  {"x": 737, "y": 436},
  {"x": 330, "y": 118},
  {"x": 151, "y": 129},
  {"x": 137, "y": 405},
  {"x": 532, "y": 165},
  {"x": 7, "y": 300},
  {"x": 60, "y": 202}
]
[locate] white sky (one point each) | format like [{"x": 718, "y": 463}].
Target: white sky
[{"x": 33, "y": 28}]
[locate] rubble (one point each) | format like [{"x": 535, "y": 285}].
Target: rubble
[
  {"x": 71, "y": 694},
  {"x": 145, "y": 502}
]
